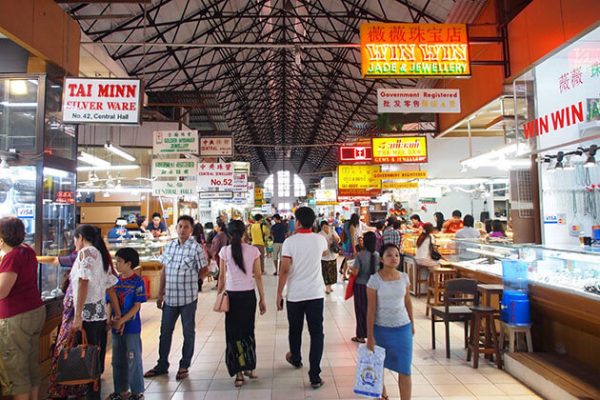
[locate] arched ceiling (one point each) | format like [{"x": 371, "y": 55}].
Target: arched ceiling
[{"x": 278, "y": 69}]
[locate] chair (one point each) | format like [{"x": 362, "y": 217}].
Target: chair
[
  {"x": 459, "y": 295},
  {"x": 435, "y": 286}
]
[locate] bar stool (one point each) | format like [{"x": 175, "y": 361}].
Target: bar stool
[
  {"x": 512, "y": 331},
  {"x": 436, "y": 286},
  {"x": 489, "y": 344},
  {"x": 422, "y": 278}
]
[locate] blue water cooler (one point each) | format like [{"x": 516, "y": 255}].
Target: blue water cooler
[{"x": 514, "y": 308}]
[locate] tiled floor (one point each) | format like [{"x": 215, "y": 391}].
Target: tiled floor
[{"x": 434, "y": 377}]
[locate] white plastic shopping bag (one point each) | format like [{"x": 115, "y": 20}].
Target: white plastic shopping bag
[{"x": 369, "y": 371}]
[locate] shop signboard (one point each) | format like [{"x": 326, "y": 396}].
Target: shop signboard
[
  {"x": 215, "y": 177},
  {"x": 358, "y": 180},
  {"x": 400, "y": 185},
  {"x": 162, "y": 167},
  {"x": 102, "y": 101},
  {"x": 355, "y": 154},
  {"x": 398, "y": 150},
  {"x": 174, "y": 188},
  {"x": 216, "y": 195},
  {"x": 240, "y": 181},
  {"x": 418, "y": 101},
  {"x": 259, "y": 197},
  {"x": 397, "y": 50},
  {"x": 401, "y": 175},
  {"x": 324, "y": 195},
  {"x": 216, "y": 146},
  {"x": 175, "y": 142}
]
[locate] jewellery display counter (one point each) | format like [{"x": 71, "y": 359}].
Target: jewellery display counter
[{"x": 563, "y": 285}]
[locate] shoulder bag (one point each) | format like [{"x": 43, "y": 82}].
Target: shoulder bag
[
  {"x": 222, "y": 303},
  {"x": 78, "y": 365},
  {"x": 435, "y": 255}
]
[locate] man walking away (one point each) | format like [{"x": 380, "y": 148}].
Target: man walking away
[
  {"x": 258, "y": 232},
  {"x": 301, "y": 271},
  {"x": 278, "y": 233},
  {"x": 183, "y": 261}
]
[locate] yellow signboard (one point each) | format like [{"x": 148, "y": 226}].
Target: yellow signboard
[
  {"x": 401, "y": 175},
  {"x": 390, "y": 50},
  {"x": 259, "y": 197},
  {"x": 327, "y": 203},
  {"x": 400, "y": 185},
  {"x": 358, "y": 180},
  {"x": 404, "y": 149}
]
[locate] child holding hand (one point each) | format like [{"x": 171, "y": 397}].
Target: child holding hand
[{"x": 126, "y": 331}]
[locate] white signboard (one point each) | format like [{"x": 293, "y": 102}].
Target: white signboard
[
  {"x": 216, "y": 146},
  {"x": 175, "y": 142},
  {"x": 240, "y": 182},
  {"x": 174, "y": 167},
  {"x": 215, "y": 177},
  {"x": 325, "y": 195},
  {"x": 216, "y": 195},
  {"x": 418, "y": 101},
  {"x": 174, "y": 188},
  {"x": 102, "y": 101}
]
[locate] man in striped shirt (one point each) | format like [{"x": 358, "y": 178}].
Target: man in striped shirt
[{"x": 391, "y": 234}]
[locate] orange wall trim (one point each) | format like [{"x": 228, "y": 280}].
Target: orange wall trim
[
  {"x": 43, "y": 29},
  {"x": 536, "y": 32}
]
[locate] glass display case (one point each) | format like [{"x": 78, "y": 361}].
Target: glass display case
[
  {"x": 58, "y": 212},
  {"x": 50, "y": 280},
  {"x": 19, "y": 112},
  {"x": 17, "y": 197},
  {"x": 573, "y": 269},
  {"x": 148, "y": 248}
]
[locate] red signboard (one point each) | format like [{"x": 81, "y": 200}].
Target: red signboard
[{"x": 355, "y": 154}]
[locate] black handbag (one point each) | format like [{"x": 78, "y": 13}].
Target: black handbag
[
  {"x": 78, "y": 365},
  {"x": 435, "y": 255}
]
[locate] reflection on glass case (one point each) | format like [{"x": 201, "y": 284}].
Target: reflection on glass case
[
  {"x": 17, "y": 197},
  {"x": 148, "y": 248},
  {"x": 50, "y": 280},
  {"x": 59, "y": 212},
  {"x": 18, "y": 113},
  {"x": 569, "y": 268}
]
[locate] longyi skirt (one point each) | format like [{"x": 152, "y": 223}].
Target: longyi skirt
[
  {"x": 398, "y": 345},
  {"x": 329, "y": 269}
]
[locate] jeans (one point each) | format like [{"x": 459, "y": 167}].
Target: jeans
[
  {"x": 167, "y": 325},
  {"x": 313, "y": 309},
  {"x": 127, "y": 363},
  {"x": 95, "y": 332}
]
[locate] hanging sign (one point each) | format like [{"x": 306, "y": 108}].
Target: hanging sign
[
  {"x": 174, "y": 167},
  {"x": 418, "y": 101},
  {"x": 400, "y": 185},
  {"x": 215, "y": 177},
  {"x": 259, "y": 198},
  {"x": 405, "y": 149},
  {"x": 216, "y": 146},
  {"x": 390, "y": 50},
  {"x": 325, "y": 195},
  {"x": 174, "y": 188},
  {"x": 401, "y": 175},
  {"x": 216, "y": 195},
  {"x": 355, "y": 154},
  {"x": 102, "y": 101},
  {"x": 358, "y": 180},
  {"x": 240, "y": 182},
  {"x": 175, "y": 142}
]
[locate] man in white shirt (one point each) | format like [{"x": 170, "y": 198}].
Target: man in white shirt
[{"x": 301, "y": 271}]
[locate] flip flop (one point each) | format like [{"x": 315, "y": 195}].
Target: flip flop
[
  {"x": 154, "y": 372},
  {"x": 182, "y": 374},
  {"x": 250, "y": 374},
  {"x": 239, "y": 381},
  {"x": 358, "y": 340},
  {"x": 288, "y": 358}
]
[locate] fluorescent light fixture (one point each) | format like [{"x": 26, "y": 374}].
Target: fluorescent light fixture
[
  {"x": 113, "y": 148},
  {"x": 517, "y": 163},
  {"x": 108, "y": 168},
  {"x": 488, "y": 159},
  {"x": 91, "y": 159},
  {"x": 56, "y": 172},
  {"x": 133, "y": 190},
  {"x": 16, "y": 105},
  {"x": 457, "y": 181},
  {"x": 18, "y": 87}
]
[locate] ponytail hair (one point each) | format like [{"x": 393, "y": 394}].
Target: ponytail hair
[
  {"x": 236, "y": 230},
  {"x": 91, "y": 234}
]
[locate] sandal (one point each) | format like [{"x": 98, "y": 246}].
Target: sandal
[
  {"x": 239, "y": 381},
  {"x": 288, "y": 358},
  {"x": 251, "y": 374},
  {"x": 358, "y": 340},
  {"x": 154, "y": 372},
  {"x": 182, "y": 374},
  {"x": 384, "y": 397}
]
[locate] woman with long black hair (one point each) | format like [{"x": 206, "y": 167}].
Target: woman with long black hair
[
  {"x": 240, "y": 273},
  {"x": 425, "y": 242},
  {"x": 91, "y": 278},
  {"x": 365, "y": 265}
]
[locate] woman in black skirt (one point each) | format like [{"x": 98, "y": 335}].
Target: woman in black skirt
[{"x": 240, "y": 275}]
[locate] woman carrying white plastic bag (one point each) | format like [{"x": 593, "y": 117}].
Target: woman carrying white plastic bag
[
  {"x": 369, "y": 371},
  {"x": 390, "y": 321}
]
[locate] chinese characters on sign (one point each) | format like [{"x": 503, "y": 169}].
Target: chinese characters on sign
[
  {"x": 406, "y": 149},
  {"x": 214, "y": 146},
  {"x": 215, "y": 177},
  {"x": 175, "y": 142},
  {"x": 358, "y": 180},
  {"x": 418, "y": 101},
  {"x": 102, "y": 101},
  {"x": 173, "y": 167},
  {"x": 401, "y": 50},
  {"x": 355, "y": 154}
]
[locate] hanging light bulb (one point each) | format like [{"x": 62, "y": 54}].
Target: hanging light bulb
[
  {"x": 559, "y": 160},
  {"x": 591, "y": 160}
]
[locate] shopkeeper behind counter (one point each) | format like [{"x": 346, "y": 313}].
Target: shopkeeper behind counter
[{"x": 156, "y": 226}]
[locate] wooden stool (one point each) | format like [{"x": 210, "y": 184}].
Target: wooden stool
[
  {"x": 436, "y": 286},
  {"x": 421, "y": 278},
  {"x": 512, "y": 331},
  {"x": 489, "y": 345}
]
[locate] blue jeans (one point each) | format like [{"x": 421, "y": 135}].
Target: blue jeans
[
  {"x": 167, "y": 325},
  {"x": 313, "y": 310},
  {"x": 127, "y": 363}
]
